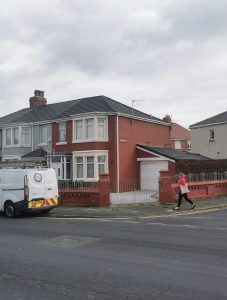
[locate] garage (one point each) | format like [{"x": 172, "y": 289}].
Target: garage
[{"x": 149, "y": 173}]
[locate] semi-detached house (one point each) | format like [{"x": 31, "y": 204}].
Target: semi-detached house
[{"x": 83, "y": 137}]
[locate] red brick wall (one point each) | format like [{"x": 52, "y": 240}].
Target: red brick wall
[
  {"x": 132, "y": 132},
  {"x": 198, "y": 190}
]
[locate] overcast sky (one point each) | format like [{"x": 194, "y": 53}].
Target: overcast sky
[{"x": 169, "y": 53}]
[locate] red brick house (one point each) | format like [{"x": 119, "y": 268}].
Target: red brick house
[
  {"x": 179, "y": 136},
  {"x": 101, "y": 136}
]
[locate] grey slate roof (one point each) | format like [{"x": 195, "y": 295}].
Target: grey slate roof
[
  {"x": 70, "y": 108},
  {"x": 173, "y": 154},
  {"x": 220, "y": 118}
]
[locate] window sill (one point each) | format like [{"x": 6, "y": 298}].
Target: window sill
[
  {"x": 89, "y": 141},
  {"x": 43, "y": 144},
  {"x": 61, "y": 143}
]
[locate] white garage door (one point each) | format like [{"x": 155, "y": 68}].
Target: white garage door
[{"x": 149, "y": 174}]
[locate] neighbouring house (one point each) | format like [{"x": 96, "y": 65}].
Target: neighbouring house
[
  {"x": 82, "y": 138},
  {"x": 179, "y": 136},
  {"x": 208, "y": 137}
]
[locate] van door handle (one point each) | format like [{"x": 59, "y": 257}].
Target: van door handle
[{"x": 49, "y": 189}]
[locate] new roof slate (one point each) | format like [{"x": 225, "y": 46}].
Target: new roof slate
[
  {"x": 220, "y": 118},
  {"x": 67, "y": 109},
  {"x": 173, "y": 154}
]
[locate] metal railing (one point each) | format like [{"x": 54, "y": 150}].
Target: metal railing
[
  {"x": 214, "y": 176},
  {"x": 76, "y": 185}
]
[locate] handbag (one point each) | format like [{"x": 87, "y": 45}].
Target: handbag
[{"x": 177, "y": 190}]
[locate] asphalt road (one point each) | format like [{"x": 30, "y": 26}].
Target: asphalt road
[{"x": 174, "y": 257}]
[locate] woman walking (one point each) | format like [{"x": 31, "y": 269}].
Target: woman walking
[{"x": 183, "y": 190}]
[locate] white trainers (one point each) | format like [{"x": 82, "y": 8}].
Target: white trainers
[
  {"x": 193, "y": 206},
  {"x": 177, "y": 208}
]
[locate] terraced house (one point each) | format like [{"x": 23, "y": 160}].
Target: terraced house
[{"x": 82, "y": 138}]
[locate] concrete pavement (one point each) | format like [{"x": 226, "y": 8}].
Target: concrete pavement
[{"x": 136, "y": 210}]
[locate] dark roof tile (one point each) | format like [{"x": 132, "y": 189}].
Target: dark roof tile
[{"x": 173, "y": 154}]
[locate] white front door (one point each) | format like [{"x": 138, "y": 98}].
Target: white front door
[{"x": 149, "y": 174}]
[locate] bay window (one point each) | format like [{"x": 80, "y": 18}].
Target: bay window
[
  {"x": 90, "y": 129},
  {"x": 89, "y": 164},
  {"x": 25, "y": 136},
  {"x": 79, "y": 167},
  {"x": 17, "y": 136}
]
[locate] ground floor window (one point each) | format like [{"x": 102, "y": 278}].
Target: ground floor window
[{"x": 87, "y": 165}]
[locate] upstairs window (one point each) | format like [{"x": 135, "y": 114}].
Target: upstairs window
[
  {"x": 188, "y": 144},
  {"x": 90, "y": 129},
  {"x": 25, "y": 136},
  {"x": 62, "y": 132},
  {"x": 8, "y": 137},
  {"x": 178, "y": 145},
  {"x": 17, "y": 136},
  {"x": 43, "y": 134},
  {"x": 211, "y": 134},
  {"x": 79, "y": 130},
  {"x": 101, "y": 128}
]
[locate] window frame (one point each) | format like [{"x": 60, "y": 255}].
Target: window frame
[
  {"x": 60, "y": 130},
  {"x": 86, "y": 133},
  {"x": 211, "y": 135},
  {"x": 43, "y": 141},
  {"x": 15, "y": 136},
  {"x": 84, "y": 155}
]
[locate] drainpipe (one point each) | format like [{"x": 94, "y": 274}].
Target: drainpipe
[
  {"x": 118, "y": 164},
  {"x": 32, "y": 128}
]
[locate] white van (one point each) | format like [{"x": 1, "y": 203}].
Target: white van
[{"x": 24, "y": 190}]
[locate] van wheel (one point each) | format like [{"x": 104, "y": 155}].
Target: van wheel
[{"x": 10, "y": 210}]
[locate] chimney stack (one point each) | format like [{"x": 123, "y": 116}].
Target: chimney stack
[
  {"x": 167, "y": 119},
  {"x": 38, "y": 99}
]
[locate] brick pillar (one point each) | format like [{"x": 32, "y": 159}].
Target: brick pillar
[
  {"x": 166, "y": 192},
  {"x": 104, "y": 189}
]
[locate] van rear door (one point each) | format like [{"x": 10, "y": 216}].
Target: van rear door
[
  {"x": 36, "y": 184},
  {"x": 51, "y": 183}
]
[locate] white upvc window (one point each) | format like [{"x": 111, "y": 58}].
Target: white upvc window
[
  {"x": 178, "y": 145},
  {"x": 25, "y": 136},
  {"x": 62, "y": 132},
  {"x": 43, "y": 135},
  {"x": 89, "y": 164},
  {"x": 101, "y": 128},
  {"x": 212, "y": 137},
  {"x": 8, "y": 137},
  {"x": 17, "y": 136},
  {"x": 89, "y": 129},
  {"x": 101, "y": 164},
  {"x": 79, "y": 130},
  {"x": 79, "y": 167},
  {"x": 189, "y": 144}
]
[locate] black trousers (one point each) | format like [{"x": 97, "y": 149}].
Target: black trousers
[{"x": 185, "y": 196}]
